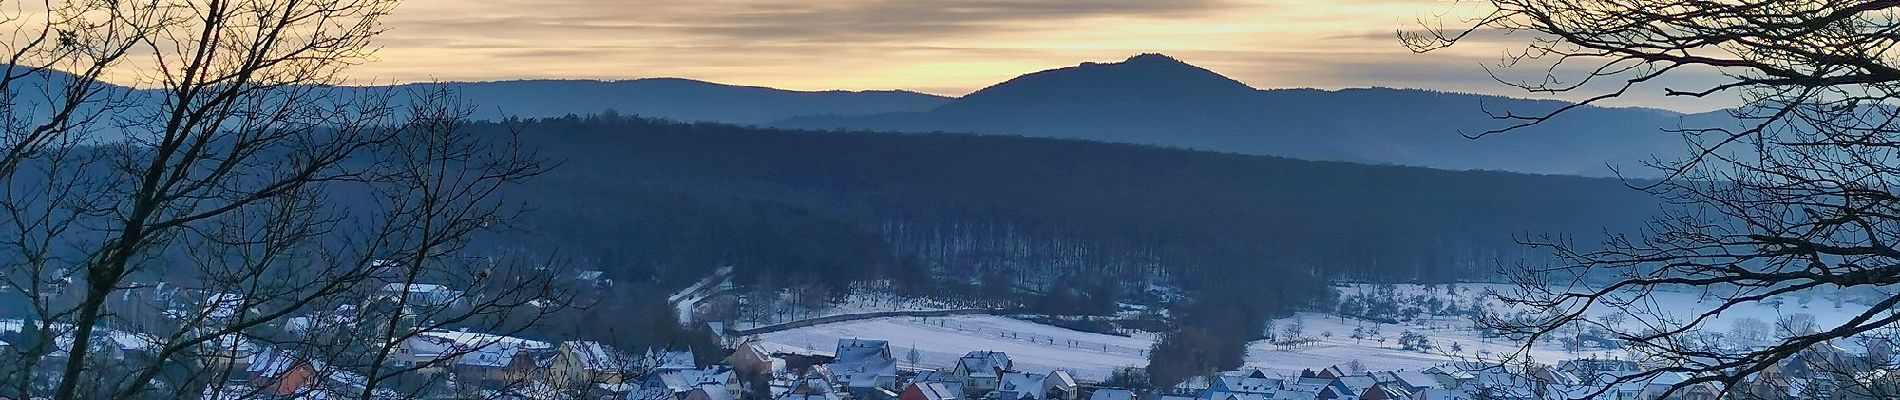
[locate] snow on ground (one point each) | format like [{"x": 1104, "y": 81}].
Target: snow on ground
[
  {"x": 939, "y": 341},
  {"x": 1091, "y": 356},
  {"x": 686, "y": 299},
  {"x": 1676, "y": 304},
  {"x": 859, "y": 302},
  {"x": 1036, "y": 347},
  {"x": 1341, "y": 348}
]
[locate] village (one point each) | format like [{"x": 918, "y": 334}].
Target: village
[{"x": 446, "y": 364}]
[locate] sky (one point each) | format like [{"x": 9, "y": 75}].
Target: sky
[{"x": 946, "y": 47}]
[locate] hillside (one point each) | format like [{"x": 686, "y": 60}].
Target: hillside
[
  {"x": 668, "y": 98},
  {"x": 673, "y": 98},
  {"x": 1148, "y": 99},
  {"x": 1155, "y": 99},
  {"x": 662, "y": 201}
]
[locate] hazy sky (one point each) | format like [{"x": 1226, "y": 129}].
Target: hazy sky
[{"x": 948, "y": 47}]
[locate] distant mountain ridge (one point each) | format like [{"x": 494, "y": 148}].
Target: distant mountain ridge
[
  {"x": 1148, "y": 99},
  {"x": 675, "y": 98},
  {"x": 667, "y": 98},
  {"x": 1159, "y": 100}
]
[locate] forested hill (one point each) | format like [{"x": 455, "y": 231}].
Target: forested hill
[
  {"x": 1156, "y": 99},
  {"x": 664, "y": 201}
]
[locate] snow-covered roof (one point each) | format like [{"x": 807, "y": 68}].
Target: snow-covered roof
[
  {"x": 1112, "y": 394},
  {"x": 715, "y": 392},
  {"x": 1022, "y": 385},
  {"x": 426, "y": 294},
  {"x": 681, "y": 381},
  {"x": 1355, "y": 385},
  {"x": 594, "y": 356},
  {"x": 223, "y": 305},
  {"x": 668, "y": 359},
  {"x": 486, "y": 350},
  {"x": 863, "y": 363},
  {"x": 935, "y": 375},
  {"x": 808, "y": 396},
  {"x": 1411, "y": 379},
  {"x": 491, "y": 357},
  {"x": 272, "y": 362},
  {"x": 983, "y": 363},
  {"x": 1060, "y": 379},
  {"x": 860, "y": 350},
  {"x": 475, "y": 339},
  {"x": 1253, "y": 381},
  {"x": 938, "y": 391}
]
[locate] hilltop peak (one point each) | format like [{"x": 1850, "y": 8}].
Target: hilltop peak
[
  {"x": 1152, "y": 58},
  {"x": 1149, "y": 76},
  {"x": 1145, "y": 60}
]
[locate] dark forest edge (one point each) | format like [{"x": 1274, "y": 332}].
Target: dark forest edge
[{"x": 1057, "y": 226}]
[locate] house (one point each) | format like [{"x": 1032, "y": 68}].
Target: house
[
  {"x": 1773, "y": 381},
  {"x": 1055, "y": 385},
  {"x": 980, "y": 371},
  {"x": 802, "y": 362},
  {"x": 864, "y": 366},
  {"x": 1347, "y": 387},
  {"x": 223, "y": 307},
  {"x": 930, "y": 391},
  {"x": 939, "y": 376},
  {"x": 1243, "y": 385},
  {"x": 1410, "y": 381},
  {"x": 590, "y": 362},
  {"x": 278, "y": 373},
  {"x": 1441, "y": 394},
  {"x": 679, "y": 382},
  {"x": 1387, "y": 391},
  {"x": 669, "y": 360},
  {"x": 1307, "y": 388},
  {"x": 1654, "y": 388},
  {"x": 810, "y": 387},
  {"x": 228, "y": 352},
  {"x": 421, "y": 294},
  {"x": 1598, "y": 372},
  {"x": 808, "y": 396},
  {"x": 494, "y": 359},
  {"x": 750, "y": 359},
  {"x": 1332, "y": 372},
  {"x": 1060, "y": 385},
  {"x": 424, "y": 349},
  {"x": 1018, "y": 386},
  {"x": 709, "y": 392},
  {"x": 1112, "y": 394},
  {"x": 593, "y": 277}
]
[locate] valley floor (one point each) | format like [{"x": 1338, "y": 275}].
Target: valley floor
[
  {"x": 1093, "y": 356},
  {"x": 938, "y": 341}
]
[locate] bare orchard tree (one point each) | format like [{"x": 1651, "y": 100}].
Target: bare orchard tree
[
  {"x": 236, "y": 217},
  {"x": 1795, "y": 194}
]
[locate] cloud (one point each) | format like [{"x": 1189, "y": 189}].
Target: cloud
[
  {"x": 775, "y": 21},
  {"x": 939, "y": 46}
]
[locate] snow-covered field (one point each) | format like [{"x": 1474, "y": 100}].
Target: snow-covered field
[
  {"x": 1092, "y": 356},
  {"x": 940, "y": 340},
  {"x": 1036, "y": 347},
  {"x": 1677, "y": 305},
  {"x": 1340, "y": 348}
]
